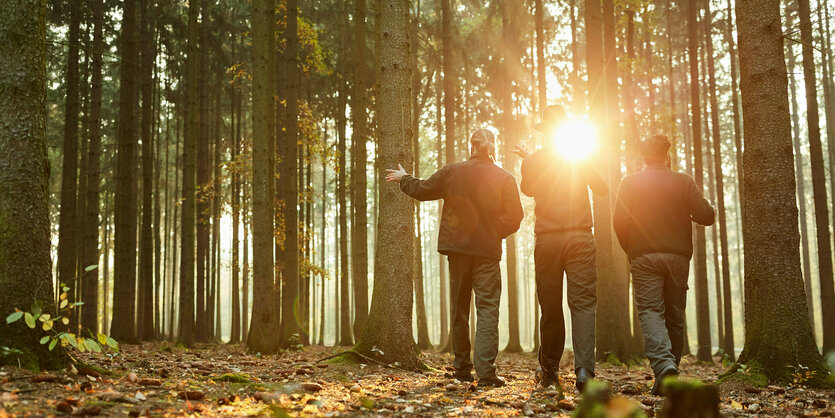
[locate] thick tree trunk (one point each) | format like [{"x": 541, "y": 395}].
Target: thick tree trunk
[
  {"x": 700, "y": 256},
  {"x": 778, "y": 334},
  {"x": 25, "y": 263},
  {"x": 263, "y": 333},
  {"x": 123, "y": 327},
  {"x": 359, "y": 161},
  {"x": 389, "y": 326},
  {"x": 827, "y": 287}
]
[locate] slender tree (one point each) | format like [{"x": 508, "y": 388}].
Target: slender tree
[
  {"x": 827, "y": 287},
  {"x": 145, "y": 314},
  {"x": 359, "y": 161}
]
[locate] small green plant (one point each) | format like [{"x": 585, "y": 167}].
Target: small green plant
[{"x": 95, "y": 343}]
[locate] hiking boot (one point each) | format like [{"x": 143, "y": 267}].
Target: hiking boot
[
  {"x": 583, "y": 376},
  {"x": 464, "y": 375},
  {"x": 658, "y": 385},
  {"x": 494, "y": 382},
  {"x": 545, "y": 378}
]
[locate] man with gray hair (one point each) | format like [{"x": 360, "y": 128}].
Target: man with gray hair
[
  {"x": 653, "y": 220},
  {"x": 481, "y": 208}
]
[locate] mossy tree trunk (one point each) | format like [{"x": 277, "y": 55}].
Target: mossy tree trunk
[
  {"x": 778, "y": 334},
  {"x": 25, "y": 264}
]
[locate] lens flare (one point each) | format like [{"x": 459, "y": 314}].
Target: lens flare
[{"x": 575, "y": 139}]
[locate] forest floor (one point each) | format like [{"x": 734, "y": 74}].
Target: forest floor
[{"x": 222, "y": 380}]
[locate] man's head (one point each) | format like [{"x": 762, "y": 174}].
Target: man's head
[
  {"x": 552, "y": 116},
  {"x": 483, "y": 144},
  {"x": 655, "y": 149}
]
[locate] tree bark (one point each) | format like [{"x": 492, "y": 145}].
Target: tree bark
[
  {"x": 288, "y": 257},
  {"x": 90, "y": 245},
  {"x": 359, "y": 162},
  {"x": 701, "y": 288},
  {"x": 67, "y": 224},
  {"x": 123, "y": 326},
  {"x": 145, "y": 314},
  {"x": 727, "y": 340},
  {"x": 25, "y": 263},
  {"x": 800, "y": 173},
  {"x": 778, "y": 334},
  {"x": 827, "y": 287},
  {"x": 389, "y": 326},
  {"x": 264, "y": 329},
  {"x": 186, "y": 328}
]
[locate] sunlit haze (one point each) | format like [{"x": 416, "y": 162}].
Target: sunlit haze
[{"x": 575, "y": 139}]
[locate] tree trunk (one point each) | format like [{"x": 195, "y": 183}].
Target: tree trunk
[
  {"x": 67, "y": 224},
  {"x": 234, "y": 150},
  {"x": 800, "y": 173},
  {"x": 827, "y": 287},
  {"x": 90, "y": 245},
  {"x": 124, "y": 283},
  {"x": 702, "y": 306},
  {"x": 202, "y": 176},
  {"x": 389, "y": 326},
  {"x": 346, "y": 337},
  {"x": 778, "y": 333},
  {"x": 25, "y": 263},
  {"x": 288, "y": 258},
  {"x": 264, "y": 329},
  {"x": 727, "y": 340},
  {"x": 359, "y": 161},
  {"x": 145, "y": 314},
  {"x": 542, "y": 100},
  {"x": 186, "y": 328}
]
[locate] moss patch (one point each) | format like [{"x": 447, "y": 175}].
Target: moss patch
[
  {"x": 233, "y": 378},
  {"x": 752, "y": 376}
]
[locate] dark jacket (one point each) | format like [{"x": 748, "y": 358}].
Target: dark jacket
[
  {"x": 481, "y": 206},
  {"x": 561, "y": 191},
  {"x": 654, "y": 211}
]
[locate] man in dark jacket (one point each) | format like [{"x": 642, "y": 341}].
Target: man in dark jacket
[
  {"x": 481, "y": 208},
  {"x": 653, "y": 215},
  {"x": 565, "y": 245}
]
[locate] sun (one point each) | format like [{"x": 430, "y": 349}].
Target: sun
[{"x": 575, "y": 139}]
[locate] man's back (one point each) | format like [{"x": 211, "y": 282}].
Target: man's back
[
  {"x": 481, "y": 206},
  {"x": 654, "y": 211}
]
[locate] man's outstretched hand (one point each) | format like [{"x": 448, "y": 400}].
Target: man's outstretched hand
[
  {"x": 521, "y": 150},
  {"x": 395, "y": 175}
]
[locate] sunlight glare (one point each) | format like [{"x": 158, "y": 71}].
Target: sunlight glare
[{"x": 575, "y": 139}]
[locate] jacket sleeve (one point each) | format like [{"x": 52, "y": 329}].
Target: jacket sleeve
[
  {"x": 622, "y": 217},
  {"x": 512, "y": 213},
  {"x": 595, "y": 180},
  {"x": 432, "y": 188},
  {"x": 700, "y": 210}
]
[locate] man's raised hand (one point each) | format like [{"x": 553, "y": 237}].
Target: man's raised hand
[
  {"x": 521, "y": 150},
  {"x": 395, "y": 175}
]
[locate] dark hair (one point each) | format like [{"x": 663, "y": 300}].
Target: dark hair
[{"x": 655, "y": 148}]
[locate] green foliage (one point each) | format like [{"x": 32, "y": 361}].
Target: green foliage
[
  {"x": 750, "y": 374},
  {"x": 95, "y": 343},
  {"x": 233, "y": 378}
]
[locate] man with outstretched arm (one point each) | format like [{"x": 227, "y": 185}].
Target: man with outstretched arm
[
  {"x": 481, "y": 208},
  {"x": 564, "y": 245},
  {"x": 653, "y": 218}
]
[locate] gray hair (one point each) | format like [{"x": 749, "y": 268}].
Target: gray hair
[{"x": 483, "y": 143}]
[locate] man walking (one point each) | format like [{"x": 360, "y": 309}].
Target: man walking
[
  {"x": 652, "y": 219},
  {"x": 564, "y": 245},
  {"x": 481, "y": 208}
]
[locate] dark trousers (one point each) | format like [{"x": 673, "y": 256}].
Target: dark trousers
[
  {"x": 571, "y": 253},
  {"x": 660, "y": 281},
  {"x": 482, "y": 276}
]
